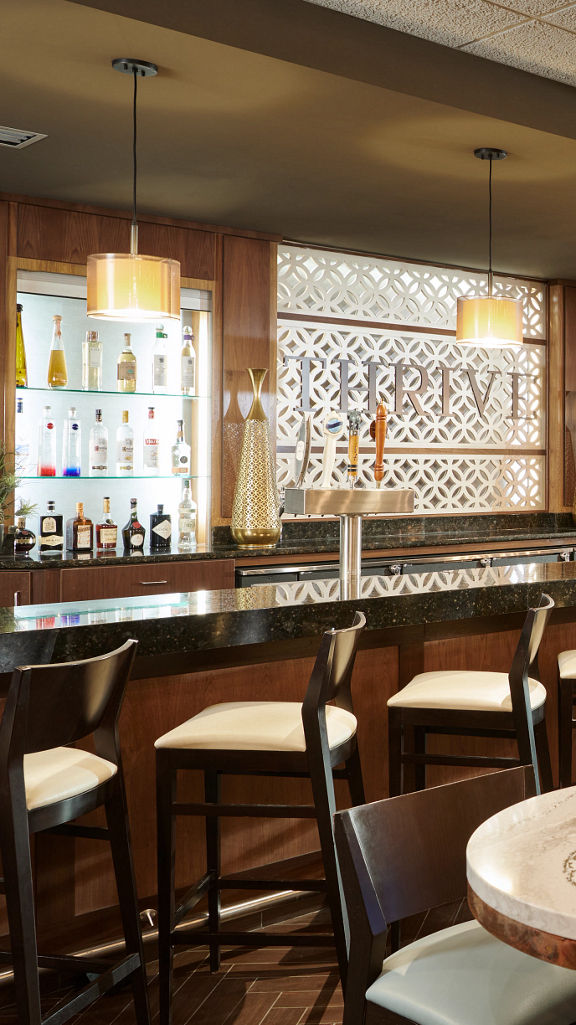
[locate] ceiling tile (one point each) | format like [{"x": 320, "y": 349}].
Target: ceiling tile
[
  {"x": 449, "y": 22},
  {"x": 565, "y": 18},
  {"x": 536, "y": 47},
  {"x": 534, "y": 8}
]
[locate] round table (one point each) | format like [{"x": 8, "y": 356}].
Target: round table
[{"x": 521, "y": 870}]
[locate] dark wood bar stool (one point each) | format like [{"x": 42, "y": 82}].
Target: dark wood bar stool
[
  {"x": 261, "y": 738},
  {"x": 477, "y": 704},
  {"x": 566, "y": 720},
  {"x": 44, "y": 784}
]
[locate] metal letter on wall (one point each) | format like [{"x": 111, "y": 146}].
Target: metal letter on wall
[{"x": 466, "y": 426}]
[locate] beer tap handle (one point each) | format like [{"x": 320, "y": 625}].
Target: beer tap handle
[
  {"x": 353, "y": 446},
  {"x": 380, "y": 438}
]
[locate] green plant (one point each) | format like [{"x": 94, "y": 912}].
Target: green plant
[{"x": 9, "y": 481}]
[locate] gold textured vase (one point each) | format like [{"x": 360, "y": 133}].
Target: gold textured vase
[{"x": 255, "y": 512}]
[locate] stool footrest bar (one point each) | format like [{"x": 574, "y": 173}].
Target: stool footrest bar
[
  {"x": 279, "y": 811},
  {"x": 197, "y": 937},
  {"x": 85, "y": 997}
]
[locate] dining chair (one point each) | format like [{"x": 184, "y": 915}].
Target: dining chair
[
  {"x": 405, "y": 855},
  {"x": 475, "y": 703}
]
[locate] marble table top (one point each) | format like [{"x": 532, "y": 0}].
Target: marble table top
[{"x": 522, "y": 863}]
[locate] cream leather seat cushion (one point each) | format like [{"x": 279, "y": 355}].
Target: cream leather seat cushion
[
  {"x": 255, "y": 726},
  {"x": 463, "y": 689},
  {"x": 567, "y": 664},
  {"x": 61, "y": 772},
  {"x": 464, "y": 976}
]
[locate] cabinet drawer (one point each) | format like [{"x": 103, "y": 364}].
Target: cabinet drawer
[
  {"x": 147, "y": 578},
  {"x": 12, "y": 585}
]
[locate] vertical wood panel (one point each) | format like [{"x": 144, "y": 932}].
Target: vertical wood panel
[
  {"x": 566, "y": 396},
  {"x": 555, "y": 442},
  {"x": 248, "y": 341}
]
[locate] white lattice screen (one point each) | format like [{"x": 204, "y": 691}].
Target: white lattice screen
[{"x": 466, "y": 426}]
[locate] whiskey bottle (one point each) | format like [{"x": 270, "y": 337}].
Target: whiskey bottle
[
  {"x": 24, "y": 539},
  {"x": 160, "y": 530},
  {"x": 21, "y": 371},
  {"x": 188, "y": 363},
  {"x": 133, "y": 533},
  {"x": 98, "y": 448},
  {"x": 92, "y": 362},
  {"x": 124, "y": 448},
  {"x": 126, "y": 367},
  {"x": 106, "y": 530},
  {"x": 51, "y": 531},
  {"x": 186, "y": 519},
  {"x": 160, "y": 362},
  {"x": 180, "y": 452},
  {"x": 79, "y": 531},
  {"x": 57, "y": 372},
  {"x": 47, "y": 445},
  {"x": 72, "y": 445},
  {"x": 151, "y": 447}
]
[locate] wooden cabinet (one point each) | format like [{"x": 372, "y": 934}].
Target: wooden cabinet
[
  {"x": 14, "y": 587},
  {"x": 146, "y": 578}
]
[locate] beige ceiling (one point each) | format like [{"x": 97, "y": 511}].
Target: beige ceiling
[
  {"x": 535, "y": 35},
  {"x": 290, "y": 118}
]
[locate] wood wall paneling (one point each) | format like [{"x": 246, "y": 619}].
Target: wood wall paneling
[
  {"x": 567, "y": 395},
  {"x": 145, "y": 579}
]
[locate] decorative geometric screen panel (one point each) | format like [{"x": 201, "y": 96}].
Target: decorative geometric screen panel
[{"x": 466, "y": 425}]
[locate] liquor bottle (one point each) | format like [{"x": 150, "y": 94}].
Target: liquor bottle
[
  {"x": 51, "y": 531},
  {"x": 106, "y": 530},
  {"x": 57, "y": 372},
  {"x": 23, "y": 448},
  {"x": 124, "y": 448},
  {"x": 126, "y": 367},
  {"x": 79, "y": 531},
  {"x": 160, "y": 530},
  {"x": 160, "y": 362},
  {"x": 92, "y": 362},
  {"x": 47, "y": 445},
  {"x": 24, "y": 539},
  {"x": 188, "y": 363},
  {"x": 72, "y": 445},
  {"x": 186, "y": 519},
  {"x": 21, "y": 370},
  {"x": 180, "y": 452},
  {"x": 133, "y": 533},
  {"x": 151, "y": 447},
  {"x": 98, "y": 448}
]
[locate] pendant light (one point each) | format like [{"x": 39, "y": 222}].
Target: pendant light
[
  {"x": 131, "y": 286},
  {"x": 489, "y": 320}
]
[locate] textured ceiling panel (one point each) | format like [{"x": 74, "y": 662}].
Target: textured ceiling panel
[
  {"x": 535, "y": 47},
  {"x": 566, "y": 18},
  {"x": 534, "y": 8},
  {"x": 450, "y": 22}
]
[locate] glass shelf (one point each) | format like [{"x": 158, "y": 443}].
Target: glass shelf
[
  {"x": 111, "y": 476},
  {"x": 102, "y": 391}
]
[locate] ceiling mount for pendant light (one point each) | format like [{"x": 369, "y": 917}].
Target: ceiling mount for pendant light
[
  {"x": 489, "y": 320},
  {"x": 131, "y": 286}
]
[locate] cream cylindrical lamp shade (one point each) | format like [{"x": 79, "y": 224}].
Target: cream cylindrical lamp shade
[
  {"x": 489, "y": 320},
  {"x": 133, "y": 287}
]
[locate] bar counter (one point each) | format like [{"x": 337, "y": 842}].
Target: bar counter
[{"x": 259, "y": 643}]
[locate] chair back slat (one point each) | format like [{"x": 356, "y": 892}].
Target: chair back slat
[
  {"x": 525, "y": 667},
  {"x": 407, "y": 854},
  {"x": 332, "y": 673},
  {"x": 54, "y": 705}
]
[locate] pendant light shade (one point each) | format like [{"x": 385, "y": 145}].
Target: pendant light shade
[
  {"x": 132, "y": 286},
  {"x": 489, "y": 320}
]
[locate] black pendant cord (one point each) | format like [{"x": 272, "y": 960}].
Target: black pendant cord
[
  {"x": 134, "y": 139},
  {"x": 490, "y": 228}
]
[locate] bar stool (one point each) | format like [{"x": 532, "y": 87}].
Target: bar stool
[
  {"x": 262, "y": 738},
  {"x": 566, "y": 721},
  {"x": 44, "y": 784},
  {"x": 474, "y": 703}
]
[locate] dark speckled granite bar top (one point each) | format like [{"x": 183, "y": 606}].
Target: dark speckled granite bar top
[
  {"x": 175, "y": 627},
  {"x": 313, "y": 537}
]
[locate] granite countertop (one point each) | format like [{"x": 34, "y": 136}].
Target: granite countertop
[
  {"x": 315, "y": 537},
  {"x": 205, "y": 621}
]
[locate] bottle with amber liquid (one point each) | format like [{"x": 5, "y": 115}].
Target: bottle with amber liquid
[
  {"x": 21, "y": 370},
  {"x": 133, "y": 533},
  {"x": 126, "y": 367},
  {"x": 79, "y": 531},
  {"x": 106, "y": 530},
  {"x": 57, "y": 372}
]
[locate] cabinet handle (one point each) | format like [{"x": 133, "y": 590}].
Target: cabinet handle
[
  {"x": 17, "y": 597},
  {"x": 150, "y": 583}
]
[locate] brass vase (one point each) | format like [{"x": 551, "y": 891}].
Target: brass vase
[{"x": 255, "y": 512}]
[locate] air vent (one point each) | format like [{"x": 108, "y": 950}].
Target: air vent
[{"x": 14, "y": 138}]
